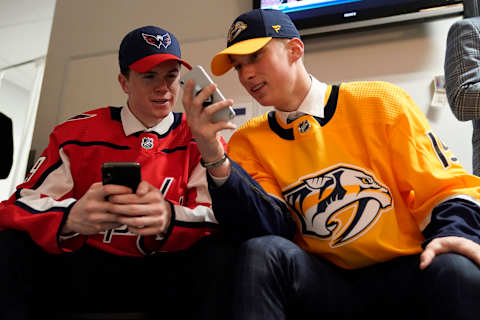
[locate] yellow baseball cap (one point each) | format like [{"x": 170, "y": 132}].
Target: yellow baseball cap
[{"x": 250, "y": 32}]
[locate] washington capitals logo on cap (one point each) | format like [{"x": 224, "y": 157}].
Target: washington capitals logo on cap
[
  {"x": 161, "y": 46},
  {"x": 158, "y": 40},
  {"x": 235, "y": 30}
]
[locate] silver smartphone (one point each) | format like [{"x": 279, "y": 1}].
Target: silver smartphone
[{"x": 202, "y": 79}]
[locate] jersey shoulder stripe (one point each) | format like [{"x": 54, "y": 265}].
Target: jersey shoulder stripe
[{"x": 94, "y": 143}]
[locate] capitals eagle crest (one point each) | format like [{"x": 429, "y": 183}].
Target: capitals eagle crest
[{"x": 158, "y": 40}]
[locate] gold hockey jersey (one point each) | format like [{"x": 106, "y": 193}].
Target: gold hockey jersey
[{"x": 362, "y": 181}]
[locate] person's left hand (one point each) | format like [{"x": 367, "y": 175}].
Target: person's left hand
[
  {"x": 145, "y": 212},
  {"x": 459, "y": 245}
]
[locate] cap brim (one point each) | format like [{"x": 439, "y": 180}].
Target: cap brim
[
  {"x": 149, "y": 62},
  {"x": 221, "y": 63}
]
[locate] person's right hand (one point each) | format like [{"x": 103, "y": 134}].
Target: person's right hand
[
  {"x": 205, "y": 131},
  {"x": 89, "y": 215}
]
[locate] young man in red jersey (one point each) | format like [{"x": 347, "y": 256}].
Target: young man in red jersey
[
  {"x": 98, "y": 247},
  {"x": 387, "y": 221}
]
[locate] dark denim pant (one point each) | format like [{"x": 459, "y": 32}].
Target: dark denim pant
[
  {"x": 192, "y": 284},
  {"x": 277, "y": 280}
]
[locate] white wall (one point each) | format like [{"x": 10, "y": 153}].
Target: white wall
[
  {"x": 24, "y": 33},
  {"x": 82, "y": 67},
  {"x": 93, "y": 29}
]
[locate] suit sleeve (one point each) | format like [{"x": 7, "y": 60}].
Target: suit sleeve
[
  {"x": 42, "y": 203},
  {"x": 462, "y": 69}
]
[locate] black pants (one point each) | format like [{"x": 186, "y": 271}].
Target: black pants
[
  {"x": 194, "y": 283},
  {"x": 278, "y": 280}
]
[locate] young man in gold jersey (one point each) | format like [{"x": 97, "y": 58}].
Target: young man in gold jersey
[{"x": 387, "y": 223}]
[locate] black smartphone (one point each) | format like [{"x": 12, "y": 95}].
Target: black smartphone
[
  {"x": 202, "y": 79},
  {"x": 122, "y": 173}
]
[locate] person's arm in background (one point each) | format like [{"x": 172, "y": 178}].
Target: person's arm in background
[
  {"x": 240, "y": 204},
  {"x": 462, "y": 69}
]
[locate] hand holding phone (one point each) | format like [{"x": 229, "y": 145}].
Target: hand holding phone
[
  {"x": 122, "y": 173},
  {"x": 202, "y": 80}
]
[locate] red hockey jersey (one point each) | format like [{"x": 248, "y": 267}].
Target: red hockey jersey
[{"x": 71, "y": 163}]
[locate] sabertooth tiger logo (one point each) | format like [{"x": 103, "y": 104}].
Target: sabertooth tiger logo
[
  {"x": 235, "y": 30},
  {"x": 339, "y": 204}
]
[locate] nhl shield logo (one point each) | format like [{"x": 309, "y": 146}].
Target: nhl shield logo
[
  {"x": 304, "y": 126},
  {"x": 147, "y": 143}
]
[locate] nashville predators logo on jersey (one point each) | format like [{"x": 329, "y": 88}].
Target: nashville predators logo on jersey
[{"x": 339, "y": 204}]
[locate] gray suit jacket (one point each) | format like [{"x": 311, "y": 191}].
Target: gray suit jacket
[{"x": 462, "y": 77}]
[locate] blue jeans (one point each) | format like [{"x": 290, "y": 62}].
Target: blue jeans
[{"x": 275, "y": 279}]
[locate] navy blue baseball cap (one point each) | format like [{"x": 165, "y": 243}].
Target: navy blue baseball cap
[
  {"x": 250, "y": 32},
  {"x": 144, "y": 48}
]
